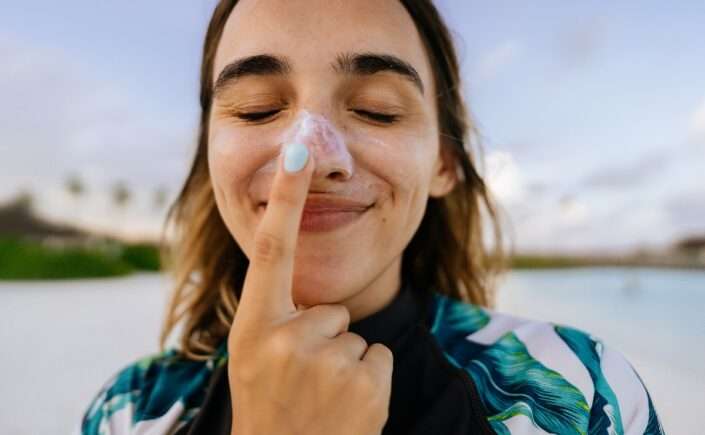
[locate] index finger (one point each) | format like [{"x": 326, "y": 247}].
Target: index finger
[{"x": 267, "y": 286}]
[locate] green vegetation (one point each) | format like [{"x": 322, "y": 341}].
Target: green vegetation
[
  {"x": 142, "y": 256},
  {"x": 24, "y": 259},
  {"x": 555, "y": 262},
  {"x": 640, "y": 261}
]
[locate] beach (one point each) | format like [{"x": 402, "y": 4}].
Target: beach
[{"x": 63, "y": 340}]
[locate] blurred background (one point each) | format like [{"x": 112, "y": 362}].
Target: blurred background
[{"x": 592, "y": 120}]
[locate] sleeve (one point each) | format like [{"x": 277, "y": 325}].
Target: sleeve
[
  {"x": 156, "y": 394},
  {"x": 622, "y": 403},
  {"x": 110, "y": 411}
]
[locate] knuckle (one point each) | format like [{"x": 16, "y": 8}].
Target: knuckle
[
  {"x": 244, "y": 368},
  {"x": 357, "y": 340},
  {"x": 337, "y": 311},
  {"x": 384, "y": 352},
  {"x": 268, "y": 248},
  {"x": 344, "y": 313},
  {"x": 281, "y": 345},
  {"x": 245, "y": 373},
  {"x": 333, "y": 362}
]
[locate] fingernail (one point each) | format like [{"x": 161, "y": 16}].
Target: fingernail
[{"x": 295, "y": 157}]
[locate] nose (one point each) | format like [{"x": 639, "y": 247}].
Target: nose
[{"x": 327, "y": 145}]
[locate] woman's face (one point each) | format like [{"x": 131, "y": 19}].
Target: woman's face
[{"x": 370, "y": 124}]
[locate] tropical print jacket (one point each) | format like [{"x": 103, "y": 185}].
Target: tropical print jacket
[{"x": 516, "y": 376}]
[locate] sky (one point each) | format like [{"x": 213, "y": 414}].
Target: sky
[{"x": 591, "y": 114}]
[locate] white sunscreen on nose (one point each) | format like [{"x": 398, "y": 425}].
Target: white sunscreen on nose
[{"x": 322, "y": 138}]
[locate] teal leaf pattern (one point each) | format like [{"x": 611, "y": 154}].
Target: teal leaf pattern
[
  {"x": 653, "y": 427},
  {"x": 151, "y": 386},
  {"x": 453, "y": 321},
  {"x": 453, "y": 317},
  {"x": 605, "y": 417},
  {"x": 499, "y": 427},
  {"x": 510, "y": 381},
  {"x": 513, "y": 383}
]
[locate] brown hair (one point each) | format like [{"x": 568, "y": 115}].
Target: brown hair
[{"x": 447, "y": 253}]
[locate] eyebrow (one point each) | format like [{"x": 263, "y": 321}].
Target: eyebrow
[{"x": 360, "y": 64}]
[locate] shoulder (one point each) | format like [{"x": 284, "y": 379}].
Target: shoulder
[
  {"x": 534, "y": 374},
  {"x": 157, "y": 393}
]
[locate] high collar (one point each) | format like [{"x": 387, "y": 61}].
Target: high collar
[
  {"x": 386, "y": 325},
  {"x": 389, "y": 323}
]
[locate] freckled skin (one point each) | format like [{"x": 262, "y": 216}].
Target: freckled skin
[{"x": 396, "y": 167}]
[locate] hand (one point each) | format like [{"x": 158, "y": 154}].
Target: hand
[{"x": 298, "y": 371}]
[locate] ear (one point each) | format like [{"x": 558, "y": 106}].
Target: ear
[{"x": 444, "y": 176}]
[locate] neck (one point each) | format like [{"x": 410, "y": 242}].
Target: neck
[{"x": 377, "y": 295}]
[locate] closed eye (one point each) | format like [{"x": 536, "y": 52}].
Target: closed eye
[
  {"x": 379, "y": 117},
  {"x": 257, "y": 116},
  {"x": 375, "y": 116}
]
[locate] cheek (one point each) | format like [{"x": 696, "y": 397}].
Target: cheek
[
  {"x": 402, "y": 161},
  {"x": 405, "y": 164},
  {"x": 226, "y": 148},
  {"x": 234, "y": 159},
  {"x": 235, "y": 155}
]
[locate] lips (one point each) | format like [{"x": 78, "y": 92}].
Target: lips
[
  {"x": 318, "y": 203},
  {"x": 327, "y": 212}
]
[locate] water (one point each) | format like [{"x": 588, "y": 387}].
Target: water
[
  {"x": 61, "y": 340},
  {"x": 654, "y": 317}
]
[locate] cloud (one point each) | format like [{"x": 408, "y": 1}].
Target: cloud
[
  {"x": 572, "y": 210},
  {"x": 632, "y": 174},
  {"x": 697, "y": 124},
  {"x": 57, "y": 118},
  {"x": 497, "y": 59},
  {"x": 504, "y": 177},
  {"x": 555, "y": 224},
  {"x": 592, "y": 223},
  {"x": 649, "y": 200},
  {"x": 542, "y": 216}
]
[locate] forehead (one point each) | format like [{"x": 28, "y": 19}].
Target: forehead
[{"x": 312, "y": 33}]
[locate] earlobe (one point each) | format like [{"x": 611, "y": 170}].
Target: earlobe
[{"x": 444, "y": 174}]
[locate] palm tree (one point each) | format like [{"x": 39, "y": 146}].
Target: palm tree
[
  {"x": 161, "y": 195},
  {"x": 75, "y": 185},
  {"x": 121, "y": 196},
  {"x": 76, "y": 189}
]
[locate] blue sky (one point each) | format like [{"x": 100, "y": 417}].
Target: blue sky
[{"x": 592, "y": 114}]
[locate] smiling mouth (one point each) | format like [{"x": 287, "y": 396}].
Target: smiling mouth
[{"x": 325, "y": 214}]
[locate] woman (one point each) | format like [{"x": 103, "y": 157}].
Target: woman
[{"x": 333, "y": 205}]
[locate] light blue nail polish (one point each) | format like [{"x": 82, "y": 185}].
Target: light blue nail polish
[{"x": 295, "y": 157}]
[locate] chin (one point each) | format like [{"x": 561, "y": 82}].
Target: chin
[{"x": 320, "y": 285}]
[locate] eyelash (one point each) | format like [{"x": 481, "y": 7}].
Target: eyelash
[
  {"x": 378, "y": 117},
  {"x": 256, "y": 116}
]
